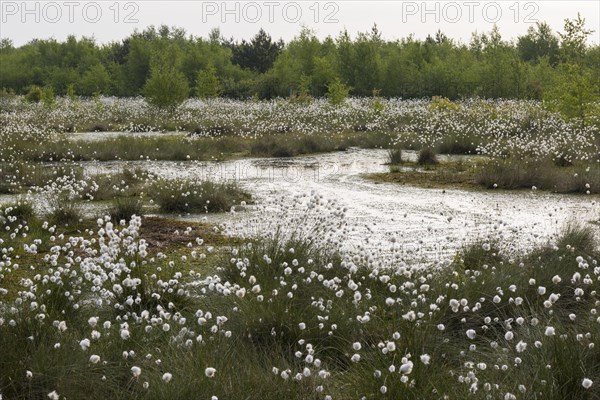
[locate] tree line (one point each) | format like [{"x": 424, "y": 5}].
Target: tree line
[{"x": 166, "y": 60}]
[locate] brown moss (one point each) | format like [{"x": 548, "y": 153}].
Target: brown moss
[{"x": 161, "y": 233}]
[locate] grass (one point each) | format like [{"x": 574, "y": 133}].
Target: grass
[
  {"x": 20, "y": 211},
  {"x": 61, "y": 367},
  {"x": 268, "y": 328},
  {"x": 493, "y": 174},
  {"x": 458, "y": 144},
  {"x": 446, "y": 175},
  {"x": 125, "y": 207},
  {"x": 63, "y": 209},
  {"x": 286, "y": 145},
  {"x": 562, "y": 178},
  {"x": 18, "y": 176},
  {"x": 186, "y": 196},
  {"x": 427, "y": 156},
  {"x": 394, "y": 156},
  {"x": 127, "y": 182},
  {"x": 177, "y": 148},
  {"x": 279, "y": 318}
]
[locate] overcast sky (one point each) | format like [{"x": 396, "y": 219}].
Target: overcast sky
[{"x": 111, "y": 20}]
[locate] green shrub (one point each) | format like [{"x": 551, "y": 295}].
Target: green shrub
[
  {"x": 304, "y": 93},
  {"x": 166, "y": 87},
  {"x": 167, "y": 90},
  {"x": 376, "y": 103},
  {"x": 71, "y": 95},
  {"x": 207, "y": 83},
  {"x": 34, "y": 94},
  {"x": 337, "y": 92},
  {"x": 439, "y": 103},
  {"x": 48, "y": 97}
]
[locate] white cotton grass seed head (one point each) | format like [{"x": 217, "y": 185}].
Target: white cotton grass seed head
[
  {"x": 587, "y": 383},
  {"x": 167, "y": 376},
  {"x": 210, "y": 372},
  {"x": 521, "y": 347},
  {"x": 53, "y": 395},
  {"x": 406, "y": 368},
  {"x": 84, "y": 344}
]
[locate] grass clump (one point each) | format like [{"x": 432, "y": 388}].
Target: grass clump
[
  {"x": 286, "y": 146},
  {"x": 123, "y": 208},
  {"x": 458, "y": 144},
  {"x": 394, "y": 156},
  {"x": 287, "y": 318},
  {"x": 125, "y": 183},
  {"x": 427, "y": 156},
  {"x": 187, "y": 196},
  {"x": 64, "y": 209},
  {"x": 562, "y": 161},
  {"x": 20, "y": 211},
  {"x": 517, "y": 174},
  {"x": 274, "y": 147},
  {"x": 17, "y": 176}
]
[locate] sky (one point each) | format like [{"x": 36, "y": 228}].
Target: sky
[{"x": 106, "y": 21}]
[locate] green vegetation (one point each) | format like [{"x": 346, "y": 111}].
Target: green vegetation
[
  {"x": 21, "y": 211},
  {"x": 123, "y": 208},
  {"x": 513, "y": 174},
  {"x": 34, "y": 94},
  {"x": 158, "y": 61},
  {"x": 395, "y": 156},
  {"x": 337, "y": 92},
  {"x": 515, "y": 322},
  {"x": 496, "y": 174},
  {"x": 427, "y": 156},
  {"x": 128, "y": 182},
  {"x": 207, "y": 83},
  {"x": 166, "y": 87},
  {"x": 201, "y": 148},
  {"x": 186, "y": 196},
  {"x": 127, "y": 307},
  {"x": 64, "y": 209}
]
